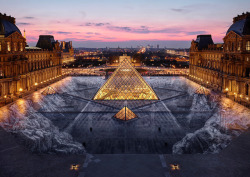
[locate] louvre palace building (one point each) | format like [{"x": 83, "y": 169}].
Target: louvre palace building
[
  {"x": 224, "y": 67},
  {"x": 21, "y": 67}
]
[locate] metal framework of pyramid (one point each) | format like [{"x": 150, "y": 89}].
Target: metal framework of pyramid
[
  {"x": 49, "y": 91},
  {"x": 125, "y": 83},
  {"x": 125, "y": 114}
]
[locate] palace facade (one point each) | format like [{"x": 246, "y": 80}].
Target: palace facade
[
  {"x": 224, "y": 67},
  {"x": 23, "y": 68}
]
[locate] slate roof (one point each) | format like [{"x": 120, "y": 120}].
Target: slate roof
[
  {"x": 241, "y": 27},
  {"x": 7, "y": 28},
  {"x": 203, "y": 41}
]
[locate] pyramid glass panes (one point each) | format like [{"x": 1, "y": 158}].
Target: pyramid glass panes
[
  {"x": 126, "y": 84},
  {"x": 125, "y": 114}
]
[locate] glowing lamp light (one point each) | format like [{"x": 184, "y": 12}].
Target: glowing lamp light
[
  {"x": 241, "y": 96},
  {"x": 36, "y": 84},
  {"x": 226, "y": 89},
  {"x": 20, "y": 90},
  {"x": 207, "y": 82},
  {"x": 247, "y": 98},
  {"x": 175, "y": 167},
  {"x": 5, "y": 96},
  {"x": 74, "y": 167}
]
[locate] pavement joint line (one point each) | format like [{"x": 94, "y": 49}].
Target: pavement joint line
[
  {"x": 163, "y": 163},
  {"x": 8, "y": 149}
]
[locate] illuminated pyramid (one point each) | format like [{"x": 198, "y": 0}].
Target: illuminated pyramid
[
  {"x": 49, "y": 91},
  {"x": 125, "y": 114},
  {"x": 125, "y": 83}
]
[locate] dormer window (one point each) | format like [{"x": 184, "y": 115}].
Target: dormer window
[{"x": 248, "y": 46}]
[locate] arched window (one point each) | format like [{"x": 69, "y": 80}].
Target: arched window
[{"x": 248, "y": 46}]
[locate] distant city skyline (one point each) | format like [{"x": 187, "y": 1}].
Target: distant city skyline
[{"x": 124, "y": 23}]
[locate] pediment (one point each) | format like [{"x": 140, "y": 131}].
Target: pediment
[
  {"x": 16, "y": 35},
  {"x": 232, "y": 35}
]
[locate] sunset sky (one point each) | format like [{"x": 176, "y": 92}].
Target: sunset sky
[{"x": 101, "y": 23}]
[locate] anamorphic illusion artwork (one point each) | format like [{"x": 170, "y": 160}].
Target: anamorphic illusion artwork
[
  {"x": 125, "y": 83},
  {"x": 49, "y": 91},
  {"x": 125, "y": 114}
]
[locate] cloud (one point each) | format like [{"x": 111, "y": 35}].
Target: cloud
[
  {"x": 196, "y": 32},
  {"x": 95, "y": 24},
  {"x": 24, "y": 24},
  {"x": 92, "y": 33},
  {"x": 63, "y": 32},
  {"x": 27, "y": 17},
  {"x": 144, "y": 29},
  {"x": 178, "y": 10},
  {"x": 181, "y": 10}
]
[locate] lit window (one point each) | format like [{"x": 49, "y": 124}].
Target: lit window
[
  {"x": 8, "y": 47},
  {"x": 1, "y": 72},
  {"x": 21, "y": 47},
  {"x": 15, "y": 46},
  {"x": 248, "y": 46},
  {"x": 239, "y": 46}
]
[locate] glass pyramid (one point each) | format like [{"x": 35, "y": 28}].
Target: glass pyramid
[
  {"x": 125, "y": 114},
  {"x": 125, "y": 83}
]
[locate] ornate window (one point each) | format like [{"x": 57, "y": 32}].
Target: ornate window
[
  {"x": 248, "y": 46},
  {"x": 8, "y": 47}
]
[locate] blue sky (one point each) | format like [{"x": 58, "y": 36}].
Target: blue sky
[{"x": 101, "y": 23}]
